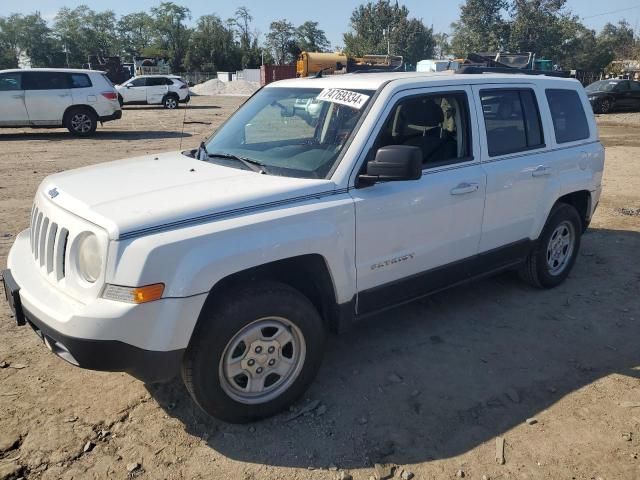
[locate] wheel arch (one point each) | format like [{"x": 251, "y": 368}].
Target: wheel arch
[
  {"x": 71, "y": 108},
  {"x": 581, "y": 201},
  {"x": 308, "y": 274}
]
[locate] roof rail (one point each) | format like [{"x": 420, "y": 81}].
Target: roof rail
[{"x": 474, "y": 69}]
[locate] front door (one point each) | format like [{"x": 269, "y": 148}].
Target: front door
[
  {"x": 516, "y": 160},
  {"x": 135, "y": 90},
  {"x": 14, "y": 110},
  {"x": 412, "y": 236},
  {"x": 47, "y": 96}
]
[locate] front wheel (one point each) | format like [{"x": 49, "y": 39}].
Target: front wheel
[
  {"x": 255, "y": 354},
  {"x": 605, "y": 106},
  {"x": 550, "y": 262}
]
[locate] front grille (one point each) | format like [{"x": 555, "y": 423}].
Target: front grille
[{"x": 48, "y": 243}]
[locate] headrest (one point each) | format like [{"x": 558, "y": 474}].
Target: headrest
[{"x": 424, "y": 112}]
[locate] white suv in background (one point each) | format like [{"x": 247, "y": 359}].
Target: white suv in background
[
  {"x": 54, "y": 97},
  {"x": 166, "y": 90}
]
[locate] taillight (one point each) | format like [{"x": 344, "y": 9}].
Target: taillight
[{"x": 110, "y": 95}]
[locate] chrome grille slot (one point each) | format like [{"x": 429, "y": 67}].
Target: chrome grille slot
[
  {"x": 60, "y": 253},
  {"x": 36, "y": 236},
  {"x": 51, "y": 239},
  {"x": 44, "y": 231}
]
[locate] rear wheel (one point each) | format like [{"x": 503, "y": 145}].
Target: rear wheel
[
  {"x": 254, "y": 354},
  {"x": 550, "y": 262},
  {"x": 170, "y": 102},
  {"x": 81, "y": 121}
]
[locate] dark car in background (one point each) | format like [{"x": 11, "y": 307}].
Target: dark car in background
[{"x": 615, "y": 94}]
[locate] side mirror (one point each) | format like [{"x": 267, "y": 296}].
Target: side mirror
[
  {"x": 128, "y": 85},
  {"x": 287, "y": 112},
  {"x": 394, "y": 163}
]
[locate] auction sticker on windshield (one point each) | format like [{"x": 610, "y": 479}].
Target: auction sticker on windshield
[{"x": 343, "y": 97}]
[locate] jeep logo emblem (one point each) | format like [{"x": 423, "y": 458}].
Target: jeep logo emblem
[{"x": 53, "y": 193}]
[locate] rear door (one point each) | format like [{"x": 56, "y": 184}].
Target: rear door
[
  {"x": 14, "y": 110},
  {"x": 47, "y": 96},
  {"x": 635, "y": 94},
  {"x": 514, "y": 157},
  {"x": 157, "y": 88},
  {"x": 624, "y": 95}
]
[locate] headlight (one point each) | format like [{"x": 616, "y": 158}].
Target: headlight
[{"x": 89, "y": 258}]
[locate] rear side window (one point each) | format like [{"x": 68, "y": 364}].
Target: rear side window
[
  {"x": 80, "y": 80},
  {"x": 156, "y": 81},
  {"x": 45, "y": 80},
  {"x": 10, "y": 81},
  {"x": 635, "y": 86},
  {"x": 569, "y": 120},
  {"x": 512, "y": 121}
]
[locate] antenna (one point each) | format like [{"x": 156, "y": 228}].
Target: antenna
[{"x": 184, "y": 117}]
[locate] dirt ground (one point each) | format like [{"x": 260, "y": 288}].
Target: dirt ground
[{"x": 428, "y": 387}]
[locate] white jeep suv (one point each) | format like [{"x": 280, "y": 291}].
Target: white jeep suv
[
  {"x": 231, "y": 262},
  {"x": 55, "y": 97},
  {"x": 166, "y": 90}
]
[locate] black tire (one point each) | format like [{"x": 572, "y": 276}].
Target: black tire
[
  {"x": 81, "y": 121},
  {"x": 222, "y": 324},
  {"x": 537, "y": 269},
  {"x": 605, "y": 106},
  {"x": 171, "y": 102}
]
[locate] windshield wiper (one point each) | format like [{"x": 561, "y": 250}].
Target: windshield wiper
[{"x": 251, "y": 164}]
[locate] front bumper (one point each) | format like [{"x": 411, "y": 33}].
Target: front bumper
[
  {"x": 117, "y": 115},
  {"x": 146, "y": 340},
  {"x": 104, "y": 355}
]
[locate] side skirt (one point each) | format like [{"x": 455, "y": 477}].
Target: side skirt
[{"x": 408, "y": 289}]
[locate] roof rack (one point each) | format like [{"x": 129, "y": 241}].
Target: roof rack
[{"x": 474, "y": 69}]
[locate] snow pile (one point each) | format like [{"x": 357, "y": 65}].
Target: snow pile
[{"x": 217, "y": 87}]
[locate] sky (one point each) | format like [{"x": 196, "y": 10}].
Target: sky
[{"x": 333, "y": 15}]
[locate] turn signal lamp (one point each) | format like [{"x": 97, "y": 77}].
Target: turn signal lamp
[{"x": 138, "y": 295}]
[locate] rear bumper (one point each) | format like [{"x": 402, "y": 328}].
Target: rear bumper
[{"x": 117, "y": 115}]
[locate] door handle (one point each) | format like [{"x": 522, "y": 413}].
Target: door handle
[
  {"x": 63, "y": 95},
  {"x": 541, "y": 171},
  {"x": 464, "y": 188},
  {"x": 17, "y": 96}
]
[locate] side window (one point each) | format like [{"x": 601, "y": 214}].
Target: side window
[
  {"x": 79, "y": 80},
  {"x": 45, "y": 81},
  {"x": 622, "y": 86},
  {"x": 438, "y": 124},
  {"x": 512, "y": 121},
  {"x": 138, "y": 82},
  {"x": 156, "y": 81},
  {"x": 10, "y": 81},
  {"x": 569, "y": 120},
  {"x": 635, "y": 86}
]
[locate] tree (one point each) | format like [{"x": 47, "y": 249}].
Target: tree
[
  {"x": 136, "y": 33},
  {"x": 618, "y": 40},
  {"x": 280, "y": 41},
  {"x": 248, "y": 39},
  {"x": 173, "y": 34},
  {"x": 441, "y": 45},
  {"x": 212, "y": 46},
  {"x": 481, "y": 27},
  {"x": 310, "y": 38},
  {"x": 380, "y": 28}
]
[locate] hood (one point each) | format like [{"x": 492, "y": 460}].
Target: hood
[
  {"x": 597, "y": 93},
  {"x": 145, "y": 192}
]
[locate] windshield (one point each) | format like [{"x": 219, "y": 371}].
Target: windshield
[
  {"x": 295, "y": 132},
  {"x": 601, "y": 86}
]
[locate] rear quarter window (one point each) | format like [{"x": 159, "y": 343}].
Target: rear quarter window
[
  {"x": 568, "y": 115},
  {"x": 80, "y": 80}
]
